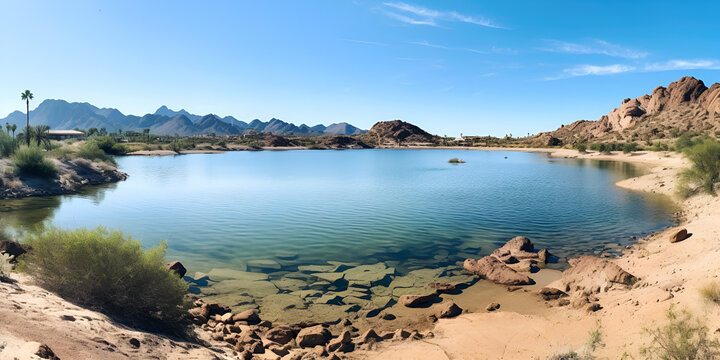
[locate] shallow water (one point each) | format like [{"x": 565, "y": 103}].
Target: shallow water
[{"x": 407, "y": 209}]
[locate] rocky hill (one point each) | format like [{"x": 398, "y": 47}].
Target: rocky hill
[
  {"x": 685, "y": 105},
  {"x": 396, "y": 133}
]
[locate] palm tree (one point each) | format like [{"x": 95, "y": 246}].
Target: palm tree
[
  {"x": 41, "y": 135},
  {"x": 7, "y": 127},
  {"x": 27, "y": 96},
  {"x": 13, "y": 127}
]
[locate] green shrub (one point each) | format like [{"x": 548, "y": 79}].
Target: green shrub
[
  {"x": 32, "y": 161},
  {"x": 581, "y": 148},
  {"x": 91, "y": 151},
  {"x": 682, "y": 338},
  {"x": 705, "y": 170},
  {"x": 109, "y": 145},
  {"x": 684, "y": 141},
  {"x": 109, "y": 271},
  {"x": 629, "y": 147},
  {"x": 7, "y": 144}
]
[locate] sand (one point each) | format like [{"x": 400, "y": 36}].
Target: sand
[{"x": 670, "y": 274}]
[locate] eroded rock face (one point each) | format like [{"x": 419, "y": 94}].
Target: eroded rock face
[
  {"x": 496, "y": 271},
  {"x": 548, "y": 293},
  {"x": 592, "y": 274}
]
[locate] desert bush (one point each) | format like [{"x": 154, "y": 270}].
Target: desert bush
[
  {"x": 581, "y": 148},
  {"x": 31, "y": 160},
  {"x": 682, "y": 338},
  {"x": 704, "y": 172},
  {"x": 91, "y": 151},
  {"x": 629, "y": 147},
  {"x": 593, "y": 342},
  {"x": 685, "y": 141},
  {"x": 109, "y": 271},
  {"x": 7, "y": 144},
  {"x": 109, "y": 145},
  {"x": 711, "y": 292}
]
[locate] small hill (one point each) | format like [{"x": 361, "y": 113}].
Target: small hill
[
  {"x": 685, "y": 105},
  {"x": 344, "y": 142},
  {"x": 395, "y": 133}
]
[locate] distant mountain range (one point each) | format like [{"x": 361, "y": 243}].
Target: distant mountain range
[{"x": 60, "y": 115}]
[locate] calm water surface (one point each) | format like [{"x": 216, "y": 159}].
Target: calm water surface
[{"x": 409, "y": 208}]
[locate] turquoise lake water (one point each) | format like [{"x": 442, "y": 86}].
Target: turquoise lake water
[{"x": 407, "y": 208}]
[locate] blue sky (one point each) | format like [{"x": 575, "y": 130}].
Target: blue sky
[{"x": 476, "y": 67}]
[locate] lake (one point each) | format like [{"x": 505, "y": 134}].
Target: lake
[{"x": 272, "y": 211}]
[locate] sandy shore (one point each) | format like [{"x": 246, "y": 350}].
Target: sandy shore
[{"x": 669, "y": 274}]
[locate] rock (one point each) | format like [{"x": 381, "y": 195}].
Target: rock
[
  {"x": 230, "y": 274},
  {"x": 256, "y": 347},
  {"x": 494, "y": 270},
  {"x": 134, "y": 342},
  {"x": 203, "y": 311},
  {"x": 679, "y": 235},
  {"x": 374, "y": 274},
  {"x": 548, "y": 293},
  {"x": 387, "y": 316},
  {"x": 369, "y": 336},
  {"x": 447, "y": 310},
  {"x": 245, "y": 355},
  {"x": 320, "y": 351},
  {"x": 332, "y": 277},
  {"x": 516, "y": 244},
  {"x": 250, "y": 317},
  {"x": 543, "y": 256},
  {"x": 387, "y": 335},
  {"x": 12, "y": 248},
  {"x": 279, "y": 350},
  {"x": 281, "y": 334},
  {"x": 593, "y": 274},
  {"x": 44, "y": 352},
  {"x": 177, "y": 268},
  {"x": 563, "y": 302},
  {"x": 264, "y": 265},
  {"x": 441, "y": 287},
  {"x": 342, "y": 343},
  {"x": 417, "y": 300},
  {"x": 313, "y": 336},
  {"x": 401, "y": 334},
  {"x": 579, "y": 300},
  {"x": 492, "y": 307},
  {"x": 226, "y": 318},
  {"x": 593, "y": 307}
]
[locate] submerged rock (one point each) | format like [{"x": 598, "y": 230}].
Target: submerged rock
[
  {"x": 417, "y": 300},
  {"x": 177, "y": 268}
]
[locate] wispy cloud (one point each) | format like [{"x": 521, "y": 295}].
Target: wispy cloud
[
  {"x": 365, "y": 42},
  {"x": 684, "y": 65},
  {"x": 586, "y": 70},
  {"x": 493, "y": 50},
  {"x": 601, "y": 47},
  {"x": 419, "y": 15}
]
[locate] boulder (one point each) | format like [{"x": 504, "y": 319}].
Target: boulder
[
  {"x": 44, "y": 352},
  {"x": 216, "y": 309},
  {"x": 250, "y": 317},
  {"x": 496, "y": 271},
  {"x": 592, "y": 274},
  {"x": 447, "y": 310},
  {"x": 548, "y": 293},
  {"x": 177, "y": 268},
  {"x": 342, "y": 343},
  {"x": 492, "y": 307},
  {"x": 401, "y": 334},
  {"x": 369, "y": 336},
  {"x": 678, "y": 236},
  {"x": 417, "y": 300},
  {"x": 313, "y": 336},
  {"x": 281, "y": 334}
]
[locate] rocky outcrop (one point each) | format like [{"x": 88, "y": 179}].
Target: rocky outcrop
[
  {"x": 417, "y": 300},
  {"x": 72, "y": 175},
  {"x": 447, "y": 310},
  {"x": 277, "y": 141},
  {"x": 313, "y": 336},
  {"x": 685, "y": 105},
  {"x": 12, "y": 248},
  {"x": 496, "y": 271},
  {"x": 177, "y": 267},
  {"x": 590, "y": 274}
]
